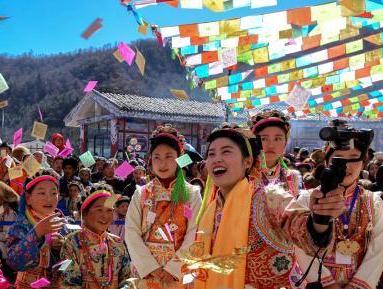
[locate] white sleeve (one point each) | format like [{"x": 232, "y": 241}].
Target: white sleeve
[
  {"x": 369, "y": 272},
  {"x": 174, "y": 265},
  {"x": 140, "y": 254}
]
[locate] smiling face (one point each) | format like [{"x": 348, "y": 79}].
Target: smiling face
[
  {"x": 353, "y": 168},
  {"x": 274, "y": 143},
  {"x": 98, "y": 217},
  {"x": 226, "y": 164},
  {"x": 164, "y": 163},
  {"x": 43, "y": 198}
]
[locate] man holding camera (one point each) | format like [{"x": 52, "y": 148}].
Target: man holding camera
[{"x": 355, "y": 259}]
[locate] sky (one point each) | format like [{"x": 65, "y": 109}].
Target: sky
[{"x": 44, "y": 27}]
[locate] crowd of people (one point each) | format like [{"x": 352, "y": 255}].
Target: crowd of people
[{"x": 247, "y": 215}]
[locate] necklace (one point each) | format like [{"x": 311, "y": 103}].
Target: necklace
[{"x": 105, "y": 281}]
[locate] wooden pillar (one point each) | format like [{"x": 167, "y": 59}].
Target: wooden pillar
[
  {"x": 83, "y": 138},
  {"x": 113, "y": 136}
]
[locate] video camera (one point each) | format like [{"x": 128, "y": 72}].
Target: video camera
[{"x": 340, "y": 136}]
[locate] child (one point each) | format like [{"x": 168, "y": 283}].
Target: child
[
  {"x": 8, "y": 206},
  {"x": 99, "y": 259},
  {"x": 119, "y": 215},
  {"x": 35, "y": 240}
]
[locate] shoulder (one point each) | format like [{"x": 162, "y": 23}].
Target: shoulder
[
  {"x": 21, "y": 224},
  {"x": 194, "y": 192}
]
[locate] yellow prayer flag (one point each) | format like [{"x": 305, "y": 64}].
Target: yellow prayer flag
[
  {"x": 214, "y": 5},
  {"x": 229, "y": 27},
  {"x": 357, "y": 60},
  {"x": 222, "y": 81},
  {"x": 15, "y": 172},
  {"x": 287, "y": 64},
  {"x": 140, "y": 62},
  {"x": 143, "y": 29},
  {"x": 274, "y": 68},
  {"x": 180, "y": 94},
  {"x": 354, "y": 46},
  {"x": 324, "y": 12},
  {"x": 261, "y": 55},
  {"x": 352, "y": 7},
  {"x": 118, "y": 56},
  {"x": 377, "y": 69},
  {"x": 39, "y": 130},
  {"x": 31, "y": 166},
  {"x": 374, "y": 39},
  {"x": 374, "y": 55}
]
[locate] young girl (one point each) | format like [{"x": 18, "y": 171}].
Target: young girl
[
  {"x": 355, "y": 260},
  {"x": 35, "y": 240},
  {"x": 121, "y": 208},
  {"x": 161, "y": 216},
  {"x": 99, "y": 259},
  {"x": 229, "y": 221}
]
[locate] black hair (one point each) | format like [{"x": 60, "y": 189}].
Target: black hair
[
  {"x": 71, "y": 161},
  {"x": 379, "y": 176},
  {"x": 155, "y": 142}
]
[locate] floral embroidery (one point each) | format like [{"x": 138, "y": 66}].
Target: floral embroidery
[{"x": 281, "y": 263}]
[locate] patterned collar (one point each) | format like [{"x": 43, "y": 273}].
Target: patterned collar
[{"x": 94, "y": 238}]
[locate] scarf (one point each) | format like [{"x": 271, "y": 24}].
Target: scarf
[{"x": 232, "y": 233}]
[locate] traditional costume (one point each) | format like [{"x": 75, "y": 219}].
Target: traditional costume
[
  {"x": 98, "y": 261},
  {"x": 28, "y": 254},
  {"x": 160, "y": 223}
]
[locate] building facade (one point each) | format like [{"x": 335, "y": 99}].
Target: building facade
[{"x": 108, "y": 121}]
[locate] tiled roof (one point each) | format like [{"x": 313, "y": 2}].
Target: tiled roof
[{"x": 164, "y": 106}]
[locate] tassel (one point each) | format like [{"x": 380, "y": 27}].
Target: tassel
[
  {"x": 283, "y": 164},
  {"x": 263, "y": 161},
  {"x": 206, "y": 197},
  {"x": 180, "y": 192}
]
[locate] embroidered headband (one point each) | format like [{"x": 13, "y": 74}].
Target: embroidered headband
[
  {"x": 94, "y": 196},
  {"x": 41, "y": 179},
  {"x": 271, "y": 121}
]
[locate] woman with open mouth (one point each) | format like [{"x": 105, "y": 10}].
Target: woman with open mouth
[
  {"x": 35, "y": 240},
  {"x": 160, "y": 222},
  {"x": 228, "y": 221},
  {"x": 97, "y": 259}
]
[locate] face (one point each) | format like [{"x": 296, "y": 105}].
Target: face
[
  {"x": 225, "y": 163},
  {"x": 98, "y": 218},
  {"x": 99, "y": 165},
  {"x": 58, "y": 165},
  {"x": 274, "y": 144},
  {"x": 74, "y": 192},
  {"x": 84, "y": 176},
  {"x": 43, "y": 198},
  {"x": 164, "y": 163},
  {"x": 38, "y": 156},
  {"x": 372, "y": 170},
  {"x": 353, "y": 168},
  {"x": 69, "y": 171},
  {"x": 58, "y": 142},
  {"x": 122, "y": 209},
  {"x": 108, "y": 171},
  {"x": 138, "y": 175}
]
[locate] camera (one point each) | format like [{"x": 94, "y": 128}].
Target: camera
[{"x": 340, "y": 135}]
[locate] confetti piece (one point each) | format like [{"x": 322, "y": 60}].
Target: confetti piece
[
  {"x": 124, "y": 170},
  {"x": 39, "y": 130},
  {"x": 188, "y": 278},
  {"x": 8, "y": 162},
  {"x": 184, "y": 160},
  {"x": 40, "y": 113},
  {"x": 90, "y": 86},
  {"x": 180, "y": 94},
  {"x": 72, "y": 227},
  {"x": 140, "y": 62},
  {"x": 163, "y": 235},
  {"x": 51, "y": 149},
  {"x": 87, "y": 159},
  {"x": 118, "y": 56},
  {"x": 31, "y": 166},
  {"x": 40, "y": 283},
  {"x": 127, "y": 53},
  {"x": 96, "y": 25},
  {"x": 143, "y": 29},
  {"x": 3, "y": 103},
  {"x": 17, "y": 137},
  {"x": 15, "y": 173},
  {"x": 3, "y": 84}
]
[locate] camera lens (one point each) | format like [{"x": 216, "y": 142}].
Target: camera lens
[{"x": 327, "y": 133}]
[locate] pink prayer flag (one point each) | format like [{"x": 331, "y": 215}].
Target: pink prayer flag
[
  {"x": 65, "y": 152},
  {"x": 91, "y": 84},
  {"x": 188, "y": 213},
  {"x": 17, "y": 137},
  {"x": 51, "y": 149},
  {"x": 40, "y": 283},
  {"x": 40, "y": 114},
  {"x": 124, "y": 170},
  {"x": 126, "y": 52},
  {"x": 68, "y": 144}
]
